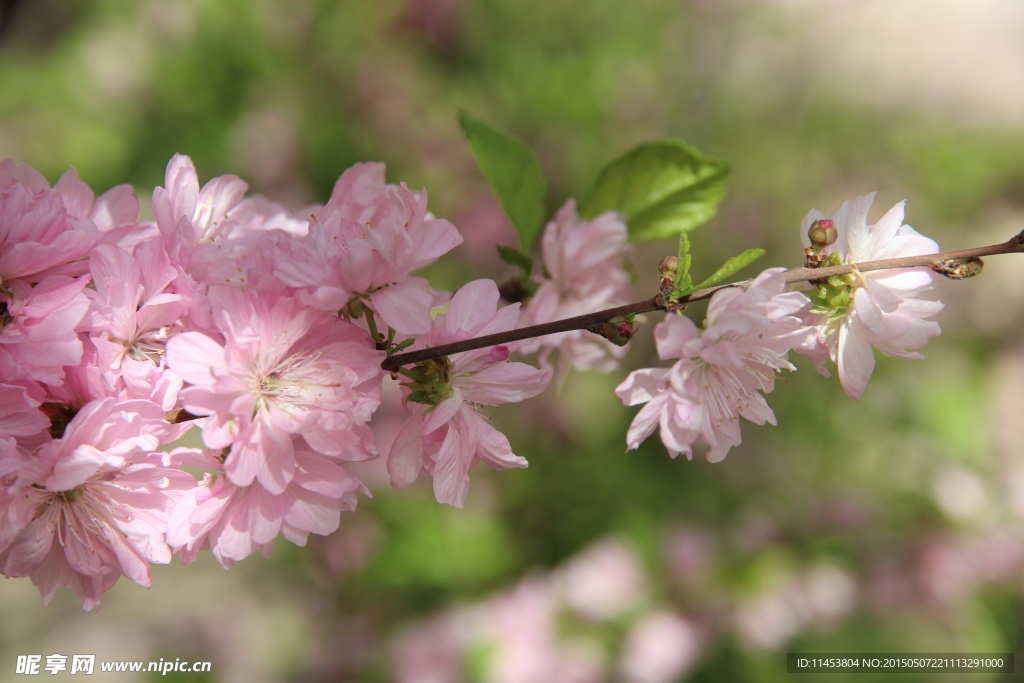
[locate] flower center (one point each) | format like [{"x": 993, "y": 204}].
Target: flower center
[
  {"x": 833, "y": 297},
  {"x": 431, "y": 381},
  {"x": 293, "y": 384}
]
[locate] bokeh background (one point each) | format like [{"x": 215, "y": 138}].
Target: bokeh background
[{"x": 893, "y": 524}]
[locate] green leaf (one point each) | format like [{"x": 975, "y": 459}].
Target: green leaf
[
  {"x": 733, "y": 265},
  {"x": 513, "y": 173},
  {"x": 514, "y": 257},
  {"x": 663, "y": 188},
  {"x": 683, "y": 280}
]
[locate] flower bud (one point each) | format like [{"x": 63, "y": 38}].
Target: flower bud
[
  {"x": 822, "y": 233},
  {"x": 618, "y": 330},
  {"x": 668, "y": 267}
]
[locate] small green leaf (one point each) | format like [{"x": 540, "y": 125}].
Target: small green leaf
[
  {"x": 514, "y": 257},
  {"x": 733, "y": 265},
  {"x": 513, "y": 173},
  {"x": 683, "y": 280},
  {"x": 663, "y": 188}
]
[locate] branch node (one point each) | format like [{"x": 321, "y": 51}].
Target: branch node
[{"x": 959, "y": 269}]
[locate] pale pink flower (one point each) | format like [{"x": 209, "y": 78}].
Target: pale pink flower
[
  {"x": 747, "y": 336},
  {"x": 583, "y": 272},
  {"x": 188, "y": 216},
  {"x": 100, "y": 501},
  {"x": 114, "y": 213},
  {"x": 19, "y": 410},
  {"x": 364, "y": 244},
  {"x": 660, "y": 647},
  {"x": 448, "y": 435},
  {"x": 38, "y": 237},
  {"x": 235, "y": 521},
  {"x": 883, "y": 311},
  {"x": 283, "y": 369},
  {"x": 37, "y": 328},
  {"x": 92, "y": 379},
  {"x": 211, "y": 233},
  {"x": 603, "y": 581},
  {"x": 133, "y": 315}
]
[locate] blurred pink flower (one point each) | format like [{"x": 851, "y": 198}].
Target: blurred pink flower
[
  {"x": 883, "y": 311},
  {"x": 603, "y": 581},
  {"x": 660, "y": 648},
  {"x": 583, "y": 273},
  {"x": 747, "y": 336},
  {"x": 446, "y": 434}
]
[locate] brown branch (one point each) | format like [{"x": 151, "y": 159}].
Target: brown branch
[{"x": 593, "y": 321}]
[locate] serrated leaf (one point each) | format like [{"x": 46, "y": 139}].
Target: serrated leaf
[
  {"x": 733, "y": 265},
  {"x": 663, "y": 188},
  {"x": 512, "y": 171},
  {"x": 514, "y": 257}
]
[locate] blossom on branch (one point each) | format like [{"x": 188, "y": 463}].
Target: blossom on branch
[
  {"x": 362, "y": 247},
  {"x": 583, "y": 273},
  {"x": 446, "y": 434},
  {"x": 745, "y": 341},
  {"x": 877, "y": 308},
  {"x": 282, "y": 369}
]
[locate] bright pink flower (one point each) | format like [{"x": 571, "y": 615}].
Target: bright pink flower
[
  {"x": 446, "y": 434},
  {"x": 235, "y": 521},
  {"x": 37, "y": 328},
  {"x": 747, "y": 336},
  {"x": 100, "y": 502},
  {"x": 583, "y": 273},
  {"x": 284, "y": 369},
  {"x": 38, "y": 237},
  {"x": 364, "y": 243},
  {"x": 880, "y": 308}
]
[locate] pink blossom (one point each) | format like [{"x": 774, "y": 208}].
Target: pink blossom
[
  {"x": 446, "y": 434},
  {"x": 747, "y": 336},
  {"x": 38, "y": 237},
  {"x": 115, "y": 213},
  {"x": 19, "y": 410},
  {"x": 37, "y": 328},
  {"x": 583, "y": 273},
  {"x": 100, "y": 500},
  {"x": 133, "y": 315},
  {"x": 879, "y": 308},
  {"x": 364, "y": 244},
  {"x": 211, "y": 233},
  {"x": 235, "y": 521},
  {"x": 283, "y": 369}
]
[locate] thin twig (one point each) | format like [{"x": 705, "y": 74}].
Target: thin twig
[{"x": 592, "y": 321}]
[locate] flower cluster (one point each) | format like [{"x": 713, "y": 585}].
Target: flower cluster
[
  {"x": 267, "y": 331},
  {"x": 749, "y": 332},
  {"x": 227, "y": 313}
]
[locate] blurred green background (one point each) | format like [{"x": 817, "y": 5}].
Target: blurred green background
[{"x": 893, "y": 524}]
